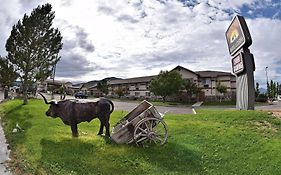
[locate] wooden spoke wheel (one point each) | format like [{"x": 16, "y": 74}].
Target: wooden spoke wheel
[{"x": 150, "y": 131}]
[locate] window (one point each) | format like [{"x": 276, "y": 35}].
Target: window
[{"x": 206, "y": 81}]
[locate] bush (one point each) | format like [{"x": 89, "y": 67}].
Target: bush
[{"x": 261, "y": 98}]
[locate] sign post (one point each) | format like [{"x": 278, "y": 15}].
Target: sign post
[{"x": 243, "y": 65}]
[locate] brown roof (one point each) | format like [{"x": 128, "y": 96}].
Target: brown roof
[
  {"x": 213, "y": 73},
  {"x": 131, "y": 80}
]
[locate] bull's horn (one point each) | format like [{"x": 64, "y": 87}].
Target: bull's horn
[
  {"x": 45, "y": 99},
  {"x": 54, "y": 102}
]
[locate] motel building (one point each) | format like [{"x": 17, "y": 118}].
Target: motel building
[{"x": 206, "y": 80}]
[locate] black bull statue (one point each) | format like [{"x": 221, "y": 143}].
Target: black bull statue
[{"x": 73, "y": 112}]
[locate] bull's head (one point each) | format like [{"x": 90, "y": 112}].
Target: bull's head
[{"x": 53, "y": 109}]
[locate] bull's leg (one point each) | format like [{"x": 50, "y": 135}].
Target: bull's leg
[
  {"x": 101, "y": 127},
  {"x": 74, "y": 130},
  {"x": 105, "y": 122},
  {"x": 107, "y": 129}
]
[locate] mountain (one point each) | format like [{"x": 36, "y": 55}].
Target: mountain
[
  {"x": 262, "y": 90},
  {"x": 94, "y": 82}
]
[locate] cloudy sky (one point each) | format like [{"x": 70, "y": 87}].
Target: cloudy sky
[{"x": 132, "y": 38}]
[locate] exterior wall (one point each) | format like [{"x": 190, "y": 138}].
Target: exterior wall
[
  {"x": 208, "y": 85},
  {"x": 139, "y": 89}
]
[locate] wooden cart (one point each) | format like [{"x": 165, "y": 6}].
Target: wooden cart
[{"x": 144, "y": 125}]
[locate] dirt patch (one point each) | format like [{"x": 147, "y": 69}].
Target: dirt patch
[
  {"x": 276, "y": 114},
  {"x": 265, "y": 125}
]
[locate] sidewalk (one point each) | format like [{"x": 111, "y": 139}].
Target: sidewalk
[{"x": 4, "y": 152}]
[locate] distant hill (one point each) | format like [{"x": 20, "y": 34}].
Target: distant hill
[{"x": 94, "y": 82}]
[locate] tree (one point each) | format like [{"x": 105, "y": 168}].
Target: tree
[
  {"x": 272, "y": 90},
  {"x": 278, "y": 89},
  {"x": 7, "y": 73},
  {"x": 120, "y": 92},
  {"x": 102, "y": 86},
  {"x": 33, "y": 47},
  {"x": 166, "y": 84},
  {"x": 257, "y": 91},
  {"x": 191, "y": 88},
  {"x": 221, "y": 89}
]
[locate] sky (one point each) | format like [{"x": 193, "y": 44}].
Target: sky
[{"x": 134, "y": 38}]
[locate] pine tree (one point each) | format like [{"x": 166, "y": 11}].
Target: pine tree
[
  {"x": 257, "y": 92},
  {"x": 33, "y": 46}
]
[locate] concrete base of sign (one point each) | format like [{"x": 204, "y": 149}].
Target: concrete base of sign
[{"x": 245, "y": 98}]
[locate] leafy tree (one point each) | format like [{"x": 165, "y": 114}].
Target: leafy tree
[
  {"x": 257, "y": 91},
  {"x": 7, "y": 73},
  {"x": 191, "y": 88},
  {"x": 102, "y": 86},
  {"x": 120, "y": 92},
  {"x": 33, "y": 46},
  {"x": 166, "y": 84},
  {"x": 221, "y": 89}
]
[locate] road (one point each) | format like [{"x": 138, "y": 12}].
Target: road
[
  {"x": 128, "y": 106},
  {"x": 275, "y": 106}
]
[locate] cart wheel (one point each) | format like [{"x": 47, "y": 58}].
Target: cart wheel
[{"x": 151, "y": 131}]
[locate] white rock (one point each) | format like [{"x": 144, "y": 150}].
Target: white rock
[{"x": 15, "y": 130}]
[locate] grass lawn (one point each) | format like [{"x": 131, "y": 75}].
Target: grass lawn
[{"x": 211, "y": 142}]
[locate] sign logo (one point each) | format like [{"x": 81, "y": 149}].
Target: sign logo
[{"x": 237, "y": 35}]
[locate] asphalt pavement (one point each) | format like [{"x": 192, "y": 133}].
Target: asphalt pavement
[
  {"x": 4, "y": 151},
  {"x": 128, "y": 106},
  {"x": 275, "y": 106}
]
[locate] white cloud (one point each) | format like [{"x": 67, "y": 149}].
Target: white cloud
[{"x": 141, "y": 37}]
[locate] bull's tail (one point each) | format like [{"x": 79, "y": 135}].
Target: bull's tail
[{"x": 112, "y": 106}]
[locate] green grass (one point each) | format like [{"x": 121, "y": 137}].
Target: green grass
[{"x": 211, "y": 142}]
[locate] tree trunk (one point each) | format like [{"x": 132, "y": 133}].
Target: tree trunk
[
  {"x": 24, "y": 91},
  {"x": 164, "y": 99}
]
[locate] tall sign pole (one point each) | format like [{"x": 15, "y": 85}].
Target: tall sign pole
[{"x": 243, "y": 65}]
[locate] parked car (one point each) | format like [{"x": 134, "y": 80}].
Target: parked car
[{"x": 80, "y": 95}]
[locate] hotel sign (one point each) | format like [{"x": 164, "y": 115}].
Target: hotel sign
[
  {"x": 238, "y": 35},
  {"x": 238, "y": 64}
]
